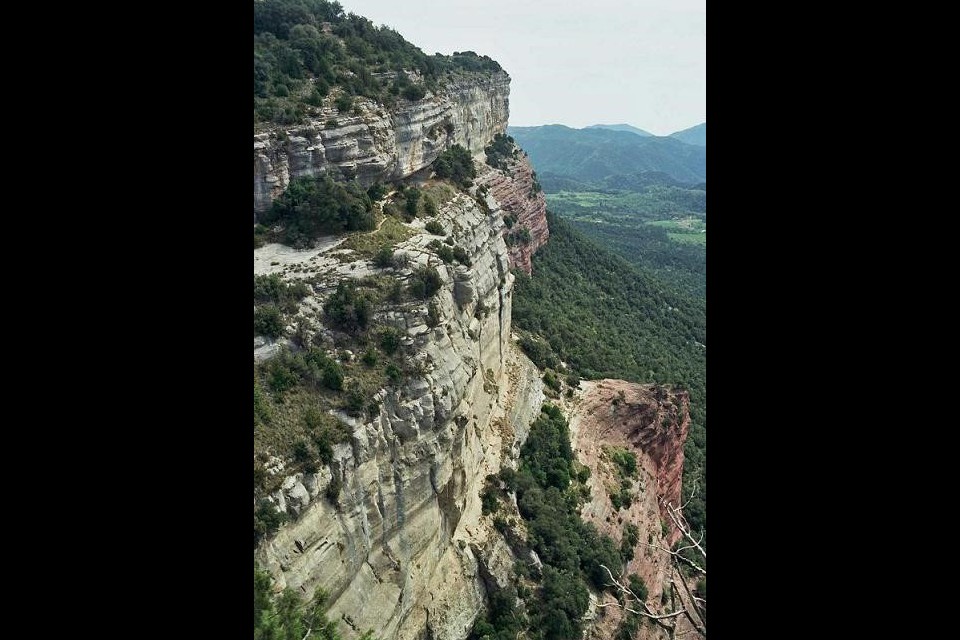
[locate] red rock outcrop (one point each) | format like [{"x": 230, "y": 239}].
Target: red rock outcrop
[
  {"x": 652, "y": 422},
  {"x": 514, "y": 190}
]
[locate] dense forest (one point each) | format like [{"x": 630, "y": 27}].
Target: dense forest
[
  {"x": 655, "y": 224},
  {"x": 606, "y": 318},
  {"x": 309, "y": 53}
]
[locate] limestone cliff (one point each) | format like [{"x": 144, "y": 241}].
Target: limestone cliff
[
  {"x": 379, "y": 144},
  {"x": 405, "y": 551}
]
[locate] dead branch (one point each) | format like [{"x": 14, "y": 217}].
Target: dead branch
[
  {"x": 628, "y": 591},
  {"x": 676, "y": 554},
  {"x": 681, "y": 523},
  {"x": 699, "y": 627}
]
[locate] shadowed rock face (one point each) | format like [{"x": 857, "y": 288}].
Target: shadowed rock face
[{"x": 382, "y": 145}]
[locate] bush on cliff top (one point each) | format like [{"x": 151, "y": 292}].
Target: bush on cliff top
[
  {"x": 303, "y": 48},
  {"x": 314, "y": 206},
  {"x": 456, "y": 163},
  {"x": 500, "y": 151}
]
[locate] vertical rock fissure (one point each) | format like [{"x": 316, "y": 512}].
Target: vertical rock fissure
[{"x": 500, "y": 320}]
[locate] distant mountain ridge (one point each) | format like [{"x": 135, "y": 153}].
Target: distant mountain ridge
[
  {"x": 594, "y": 153},
  {"x": 696, "y": 134},
  {"x": 620, "y": 127}
]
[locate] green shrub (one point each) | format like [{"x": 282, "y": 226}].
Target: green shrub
[
  {"x": 333, "y": 490},
  {"x": 344, "y": 103},
  {"x": 628, "y": 542},
  {"x": 488, "y": 501},
  {"x": 332, "y": 377},
  {"x": 456, "y": 163},
  {"x": 376, "y": 191},
  {"x": 433, "y": 315},
  {"x": 267, "y": 321},
  {"x": 639, "y": 587},
  {"x": 435, "y": 228},
  {"x": 272, "y": 288},
  {"x": 347, "y": 309},
  {"x": 393, "y": 372},
  {"x": 261, "y": 407},
  {"x": 413, "y": 92},
  {"x": 625, "y": 460},
  {"x": 461, "y": 256},
  {"x": 424, "y": 282},
  {"x": 519, "y": 236},
  {"x": 443, "y": 252},
  {"x": 500, "y": 151},
  {"x": 266, "y": 520},
  {"x": 303, "y": 454},
  {"x": 412, "y": 196},
  {"x": 538, "y": 351},
  {"x": 369, "y": 357},
  {"x": 354, "y": 402},
  {"x": 313, "y": 206},
  {"x": 551, "y": 381},
  {"x": 384, "y": 257},
  {"x": 390, "y": 340},
  {"x": 280, "y": 377}
]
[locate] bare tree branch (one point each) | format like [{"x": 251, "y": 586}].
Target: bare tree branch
[
  {"x": 676, "y": 554},
  {"x": 699, "y": 627},
  {"x": 627, "y": 590},
  {"x": 677, "y": 516}
]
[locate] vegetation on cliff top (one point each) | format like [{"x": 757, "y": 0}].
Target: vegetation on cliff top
[
  {"x": 313, "y": 206},
  {"x": 305, "y": 51}
]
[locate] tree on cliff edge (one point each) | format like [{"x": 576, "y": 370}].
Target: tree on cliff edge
[{"x": 456, "y": 163}]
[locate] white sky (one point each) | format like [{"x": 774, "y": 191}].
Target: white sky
[{"x": 642, "y": 63}]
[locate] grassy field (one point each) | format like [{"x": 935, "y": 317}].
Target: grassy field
[
  {"x": 660, "y": 228},
  {"x": 689, "y": 230}
]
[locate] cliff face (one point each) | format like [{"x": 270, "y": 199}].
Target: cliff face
[
  {"x": 652, "y": 422},
  {"x": 648, "y": 419},
  {"x": 514, "y": 189},
  {"x": 381, "y": 145},
  {"x": 405, "y": 552}
]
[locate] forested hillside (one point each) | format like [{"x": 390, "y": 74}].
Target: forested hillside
[
  {"x": 652, "y": 222},
  {"x": 595, "y": 153},
  {"x": 693, "y": 135},
  {"x": 606, "y": 318}
]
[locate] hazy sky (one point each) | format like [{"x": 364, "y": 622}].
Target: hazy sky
[{"x": 575, "y": 63}]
